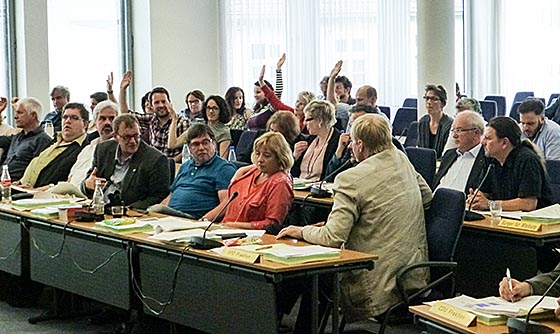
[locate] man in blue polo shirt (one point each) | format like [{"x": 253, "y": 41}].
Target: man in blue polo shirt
[{"x": 201, "y": 184}]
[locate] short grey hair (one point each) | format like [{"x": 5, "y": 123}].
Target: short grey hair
[
  {"x": 467, "y": 103},
  {"x": 474, "y": 120},
  {"x": 105, "y": 104},
  {"x": 32, "y": 105}
]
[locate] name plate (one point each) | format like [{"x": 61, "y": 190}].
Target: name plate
[
  {"x": 240, "y": 255},
  {"x": 454, "y": 314},
  {"x": 520, "y": 225}
]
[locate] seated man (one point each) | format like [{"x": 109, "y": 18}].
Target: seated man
[
  {"x": 202, "y": 181},
  {"x": 60, "y": 96},
  {"x": 537, "y": 128},
  {"x": 533, "y": 286},
  {"x": 54, "y": 163},
  {"x": 369, "y": 215},
  {"x": 519, "y": 178},
  {"x": 22, "y": 147},
  {"x": 128, "y": 165},
  {"x": 462, "y": 168},
  {"x": 463, "y": 104}
]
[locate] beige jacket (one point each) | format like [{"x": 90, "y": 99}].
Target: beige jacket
[{"x": 378, "y": 208}]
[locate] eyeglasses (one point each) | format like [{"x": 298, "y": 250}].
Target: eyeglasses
[
  {"x": 71, "y": 118},
  {"x": 431, "y": 98},
  {"x": 196, "y": 144},
  {"x": 193, "y": 102},
  {"x": 127, "y": 138},
  {"x": 309, "y": 119},
  {"x": 459, "y": 130},
  {"x": 215, "y": 108}
]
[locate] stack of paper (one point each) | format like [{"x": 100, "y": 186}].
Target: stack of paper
[
  {"x": 35, "y": 203},
  {"x": 288, "y": 254},
  {"x": 548, "y": 215},
  {"x": 110, "y": 226},
  {"x": 167, "y": 224}
]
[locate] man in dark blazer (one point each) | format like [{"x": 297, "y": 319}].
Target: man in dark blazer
[
  {"x": 462, "y": 168},
  {"x": 129, "y": 165}
]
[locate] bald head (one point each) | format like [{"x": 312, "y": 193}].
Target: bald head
[{"x": 366, "y": 95}]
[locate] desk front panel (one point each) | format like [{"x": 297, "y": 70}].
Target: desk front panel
[
  {"x": 208, "y": 295},
  {"x": 13, "y": 244},
  {"x": 108, "y": 284}
]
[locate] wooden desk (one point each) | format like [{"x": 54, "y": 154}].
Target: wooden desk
[
  {"x": 213, "y": 293},
  {"x": 302, "y": 197},
  {"x": 437, "y": 324}
]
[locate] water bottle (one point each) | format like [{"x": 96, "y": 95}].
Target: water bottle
[
  {"x": 231, "y": 156},
  {"x": 49, "y": 129},
  {"x": 98, "y": 202},
  {"x": 186, "y": 153},
  {"x": 6, "y": 185}
]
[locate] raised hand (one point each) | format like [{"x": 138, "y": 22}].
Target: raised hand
[
  {"x": 126, "y": 79},
  {"x": 110, "y": 82},
  {"x": 261, "y": 76},
  {"x": 3, "y": 103},
  {"x": 280, "y": 62},
  {"x": 171, "y": 111},
  {"x": 336, "y": 69}
]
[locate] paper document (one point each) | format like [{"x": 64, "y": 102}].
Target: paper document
[
  {"x": 167, "y": 224},
  {"x": 550, "y": 212},
  {"x": 178, "y": 236},
  {"x": 66, "y": 188},
  {"x": 249, "y": 233}
]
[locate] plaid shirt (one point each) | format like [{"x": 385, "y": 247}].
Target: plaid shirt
[{"x": 159, "y": 132}]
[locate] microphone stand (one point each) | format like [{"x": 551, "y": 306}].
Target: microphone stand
[
  {"x": 318, "y": 192},
  {"x": 203, "y": 243},
  {"x": 469, "y": 214}
]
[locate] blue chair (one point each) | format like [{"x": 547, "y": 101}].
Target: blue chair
[
  {"x": 403, "y": 118},
  {"x": 542, "y": 100},
  {"x": 245, "y": 146},
  {"x": 552, "y": 97},
  {"x": 235, "y": 135},
  {"x": 412, "y": 135},
  {"x": 553, "y": 169},
  {"x": 172, "y": 170},
  {"x": 522, "y": 96},
  {"x": 489, "y": 109},
  {"x": 385, "y": 110},
  {"x": 513, "y": 112},
  {"x": 410, "y": 102},
  {"x": 500, "y": 101},
  {"x": 424, "y": 161},
  {"x": 444, "y": 221}
]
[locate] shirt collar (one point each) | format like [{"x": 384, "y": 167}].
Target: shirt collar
[{"x": 473, "y": 151}]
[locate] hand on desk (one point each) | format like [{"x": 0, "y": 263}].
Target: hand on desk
[
  {"x": 520, "y": 290},
  {"x": 90, "y": 181},
  {"x": 480, "y": 202},
  {"x": 291, "y": 231}
]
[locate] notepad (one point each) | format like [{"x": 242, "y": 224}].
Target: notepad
[
  {"x": 548, "y": 215},
  {"x": 35, "y": 203}
]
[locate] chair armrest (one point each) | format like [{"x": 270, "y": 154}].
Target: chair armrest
[{"x": 401, "y": 275}]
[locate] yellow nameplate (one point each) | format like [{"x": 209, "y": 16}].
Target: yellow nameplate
[
  {"x": 520, "y": 225},
  {"x": 240, "y": 255},
  {"x": 454, "y": 314}
]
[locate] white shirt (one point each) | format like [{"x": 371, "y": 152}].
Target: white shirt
[
  {"x": 83, "y": 163},
  {"x": 458, "y": 174}
]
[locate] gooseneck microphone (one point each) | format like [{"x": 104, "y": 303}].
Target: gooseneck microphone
[
  {"x": 319, "y": 192},
  {"x": 202, "y": 242},
  {"x": 526, "y": 326},
  {"x": 469, "y": 214}
]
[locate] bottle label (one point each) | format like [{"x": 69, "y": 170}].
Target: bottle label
[{"x": 6, "y": 183}]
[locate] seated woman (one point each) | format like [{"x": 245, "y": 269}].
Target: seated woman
[
  {"x": 235, "y": 97},
  {"x": 433, "y": 128},
  {"x": 265, "y": 188},
  {"x": 313, "y": 156},
  {"x": 286, "y": 123},
  {"x": 378, "y": 208},
  {"x": 216, "y": 113}
]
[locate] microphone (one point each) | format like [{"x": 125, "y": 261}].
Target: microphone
[
  {"x": 472, "y": 216},
  {"x": 318, "y": 192},
  {"x": 526, "y": 326},
  {"x": 203, "y": 243}
]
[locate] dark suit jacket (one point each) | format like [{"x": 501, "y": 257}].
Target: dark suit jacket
[
  {"x": 329, "y": 152},
  {"x": 58, "y": 169},
  {"x": 147, "y": 180},
  {"x": 477, "y": 172}
]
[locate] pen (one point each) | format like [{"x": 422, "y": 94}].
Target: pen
[
  {"x": 508, "y": 276},
  {"x": 262, "y": 248}
]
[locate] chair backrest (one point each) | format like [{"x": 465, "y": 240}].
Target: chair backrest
[
  {"x": 513, "y": 112},
  {"x": 403, "y": 118},
  {"x": 235, "y": 135},
  {"x": 412, "y": 135},
  {"x": 245, "y": 145},
  {"x": 489, "y": 109},
  {"x": 552, "y": 97},
  {"x": 553, "y": 169},
  {"x": 410, "y": 102},
  {"x": 444, "y": 221},
  {"x": 521, "y": 96},
  {"x": 398, "y": 145},
  {"x": 424, "y": 161},
  {"x": 386, "y": 110},
  {"x": 172, "y": 164},
  {"x": 500, "y": 101}
]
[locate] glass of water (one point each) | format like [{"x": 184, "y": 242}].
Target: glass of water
[{"x": 495, "y": 210}]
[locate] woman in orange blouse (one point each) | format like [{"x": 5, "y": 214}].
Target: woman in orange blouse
[{"x": 265, "y": 188}]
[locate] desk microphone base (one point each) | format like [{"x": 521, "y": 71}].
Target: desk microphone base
[
  {"x": 317, "y": 192},
  {"x": 472, "y": 216},
  {"x": 521, "y": 326},
  {"x": 203, "y": 243}
]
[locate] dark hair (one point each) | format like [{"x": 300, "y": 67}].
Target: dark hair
[
  {"x": 370, "y": 91},
  {"x": 99, "y": 96},
  {"x": 344, "y": 80},
  {"x": 230, "y": 96},
  {"x": 325, "y": 80},
  {"x": 80, "y": 106},
  {"x": 145, "y": 98},
  {"x": 196, "y": 93},
  {"x": 286, "y": 123},
  {"x": 364, "y": 108},
  {"x": 197, "y": 130},
  {"x": 439, "y": 90},
  {"x": 506, "y": 127},
  {"x": 225, "y": 114},
  {"x": 531, "y": 105},
  {"x": 266, "y": 82},
  {"x": 158, "y": 90},
  {"x": 127, "y": 119}
]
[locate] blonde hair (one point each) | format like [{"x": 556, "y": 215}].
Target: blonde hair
[
  {"x": 278, "y": 145},
  {"x": 323, "y": 110},
  {"x": 373, "y": 130},
  {"x": 307, "y": 96}
]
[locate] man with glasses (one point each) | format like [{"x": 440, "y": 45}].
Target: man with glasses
[
  {"x": 54, "y": 163},
  {"x": 201, "y": 186},
  {"x": 128, "y": 165},
  {"x": 462, "y": 168}
]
